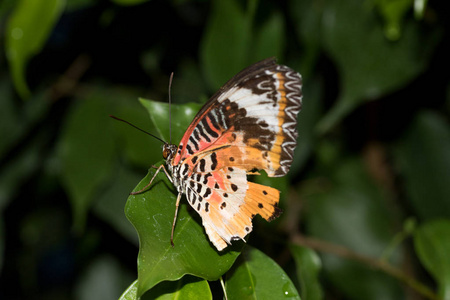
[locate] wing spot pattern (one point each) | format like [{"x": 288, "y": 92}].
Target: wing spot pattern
[
  {"x": 214, "y": 161},
  {"x": 202, "y": 165},
  {"x": 207, "y": 193},
  {"x": 203, "y": 134},
  {"x": 205, "y": 179},
  {"x": 185, "y": 169},
  {"x": 189, "y": 149},
  {"x": 208, "y": 129},
  {"x": 193, "y": 142}
]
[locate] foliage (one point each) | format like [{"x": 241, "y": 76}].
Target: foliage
[{"x": 366, "y": 203}]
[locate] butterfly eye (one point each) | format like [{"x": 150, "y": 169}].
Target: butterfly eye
[{"x": 166, "y": 153}]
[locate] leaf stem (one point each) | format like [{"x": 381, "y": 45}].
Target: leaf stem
[{"x": 223, "y": 287}]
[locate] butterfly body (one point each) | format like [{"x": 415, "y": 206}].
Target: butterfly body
[{"x": 247, "y": 126}]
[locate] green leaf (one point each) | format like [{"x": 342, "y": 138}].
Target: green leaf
[
  {"x": 86, "y": 152},
  {"x": 187, "y": 84},
  {"x": 109, "y": 203},
  {"x": 257, "y": 276},
  {"x": 308, "y": 270},
  {"x": 352, "y": 212},
  {"x": 151, "y": 213},
  {"x": 182, "y": 116},
  {"x": 138, "y": 149},
  {"x": 423, "y": 160},
  {"x": 432, "y": 243},
  {"x": 131, "y": 292},
  {"x": 306, "y": 18},
  {"x": 369, "y": 65},
  {"x": 420, "y": 6},
  {"x": 188, "y": 287},
  {"x": 393, "y": 12},
  {"x": 225, "y": 44},
  {"x": 270, "y": 38},
  {"x": 28, "y": 29}
]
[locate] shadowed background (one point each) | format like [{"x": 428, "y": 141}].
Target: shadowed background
[{"x": 368, "y": 186}]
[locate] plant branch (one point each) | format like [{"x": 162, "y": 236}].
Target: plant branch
[
  {"x": 66, "y": 84},
  {"x": 341, "y": 251}
]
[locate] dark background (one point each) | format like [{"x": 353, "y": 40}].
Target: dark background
[{"x": 371, "y": 171}]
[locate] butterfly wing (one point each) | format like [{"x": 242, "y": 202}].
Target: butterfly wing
[
  {"x": 227, "y": 203},
  {"x": 256, "y": 113},
  {"x": 249, "y": 124}
]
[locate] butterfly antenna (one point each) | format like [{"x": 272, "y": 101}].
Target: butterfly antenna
[
  {"x": 119, "y": 119},
  {"x": 170, "y": 112}
]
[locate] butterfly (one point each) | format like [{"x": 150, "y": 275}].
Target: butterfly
[{"x": 248, "y": 125}]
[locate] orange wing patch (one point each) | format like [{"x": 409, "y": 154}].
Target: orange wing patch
[
  {"x": 233, "y": 204},
  {"x": 262, "y": 200}
]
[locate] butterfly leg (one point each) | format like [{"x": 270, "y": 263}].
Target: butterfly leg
[
  {"x": 175, "y": 218},
  {"x": 165, "y": 171},
  {"x": 154, "y": 176}
]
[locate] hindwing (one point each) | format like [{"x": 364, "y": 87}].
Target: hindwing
[{"x": 227, "y": 203}]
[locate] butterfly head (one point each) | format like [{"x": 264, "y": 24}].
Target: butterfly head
[{"x": 169, "y": 151}]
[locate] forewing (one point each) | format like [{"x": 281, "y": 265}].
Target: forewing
[{"x": 254, "y": 115}]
